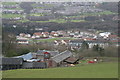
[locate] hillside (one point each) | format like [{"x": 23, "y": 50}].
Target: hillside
[{"x": 59, "y": 16}]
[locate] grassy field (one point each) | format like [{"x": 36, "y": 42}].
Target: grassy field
[
  {"x": 52, "y": 39},
  {"x": 98, "y": 70},
  {"x": 11, "y": 15},
  {"x": 10, "y": 3}
]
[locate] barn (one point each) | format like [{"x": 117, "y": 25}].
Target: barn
[
  {"x": 63, "y": 59},
  {"x": 11, "y": 63}
]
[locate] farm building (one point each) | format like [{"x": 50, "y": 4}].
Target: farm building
[
  {"x": 11, "y": 63},
  {"x": 41, "y": 59},
  {"x": 63, "y": 59},
  {"x": 40, "y": 54},
  {"x": 34, "y": 65}
]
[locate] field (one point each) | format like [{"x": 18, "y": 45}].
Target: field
[
  {"x": 11, "y": 15},
  {"x": 52, "y": 39},
  {"x": 98, "y": 70}
]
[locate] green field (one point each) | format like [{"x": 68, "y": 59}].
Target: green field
[
  {"x": 10, "y": 3},
  {"x": 52, "y": 39},
  {"x": 98, "y": 70},
  {"x": 11, "y": 15}
]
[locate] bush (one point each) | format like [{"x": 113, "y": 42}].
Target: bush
[
  {"x": 11, "y": 53},
  {"x": 23, "y": 51},
  {"x": 111, "y": 51},
  {"x": 89, "y": 53}
]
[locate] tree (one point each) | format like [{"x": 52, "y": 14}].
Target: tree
[
  {"x": 101, "y": 51},
  {"x": 8, "y": 44},
  {"x": 84, "y": 45},
  {"x": 98, "y": 49},
  {"x": 27, "y": 6}
]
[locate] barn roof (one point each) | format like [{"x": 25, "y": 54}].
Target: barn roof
[
  {"x": 52, "y": 53},
  {"x": 71, "y": 60},
  {"x": 12, "y": 61},
  {"x": 62, "y": 56},
  {"x": 26, "y": 56}
]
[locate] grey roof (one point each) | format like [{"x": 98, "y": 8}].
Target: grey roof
[
  {"x": 62, "y": 56},
  {"x": 71, "y": 60},
  {"x": 40, "y": 52},
  {"x": 12, "y": 61},
  {"x": 52, "y": 53},
  {"x": 26, "y": 56}
]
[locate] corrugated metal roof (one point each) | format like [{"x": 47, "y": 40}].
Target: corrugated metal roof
[
  {"x": 9, "y": 61},
  {"x": 52, "y": 53},
  {"x": 62, "y": 56},
  {"x": 26, "y": 56}
]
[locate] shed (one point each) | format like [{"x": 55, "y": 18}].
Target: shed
[{"x": 11, "y": 63}]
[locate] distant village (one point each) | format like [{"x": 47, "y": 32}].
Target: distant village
[{"x": 73, "y": 38}]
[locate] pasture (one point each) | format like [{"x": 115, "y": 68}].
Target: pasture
[{"x": 97, "y": 70}]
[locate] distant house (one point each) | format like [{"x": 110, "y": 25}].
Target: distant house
[
  {"x": 22, "y": 40},
  {"x": 58, "y": 42},
  {"x": 105, "y": 34},
  {"x": 37, "y": 35},
  {"x": 45, "y": 34},
  {"x": 91, "y": 43},
  {"x": 54, "y": 34},
  {"x": 24, "y": 35}
]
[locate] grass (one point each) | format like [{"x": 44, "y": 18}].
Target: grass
[
  {"x": 11, "y": 15},
  {"x": 77, "y": 20},
  {"x": 91, "y": 14},
  {"x": 98, "y": 70},
  {"x": 58, "y": 20},
  {"x": 10, "y": 3},
  {"x": 36, "y": 14},
  {"x": 14, "y": 8},
  {"x": 52, "y": 39},
  {"x": 25, "y": 20},
  {"x": 98, "y": 13}
]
